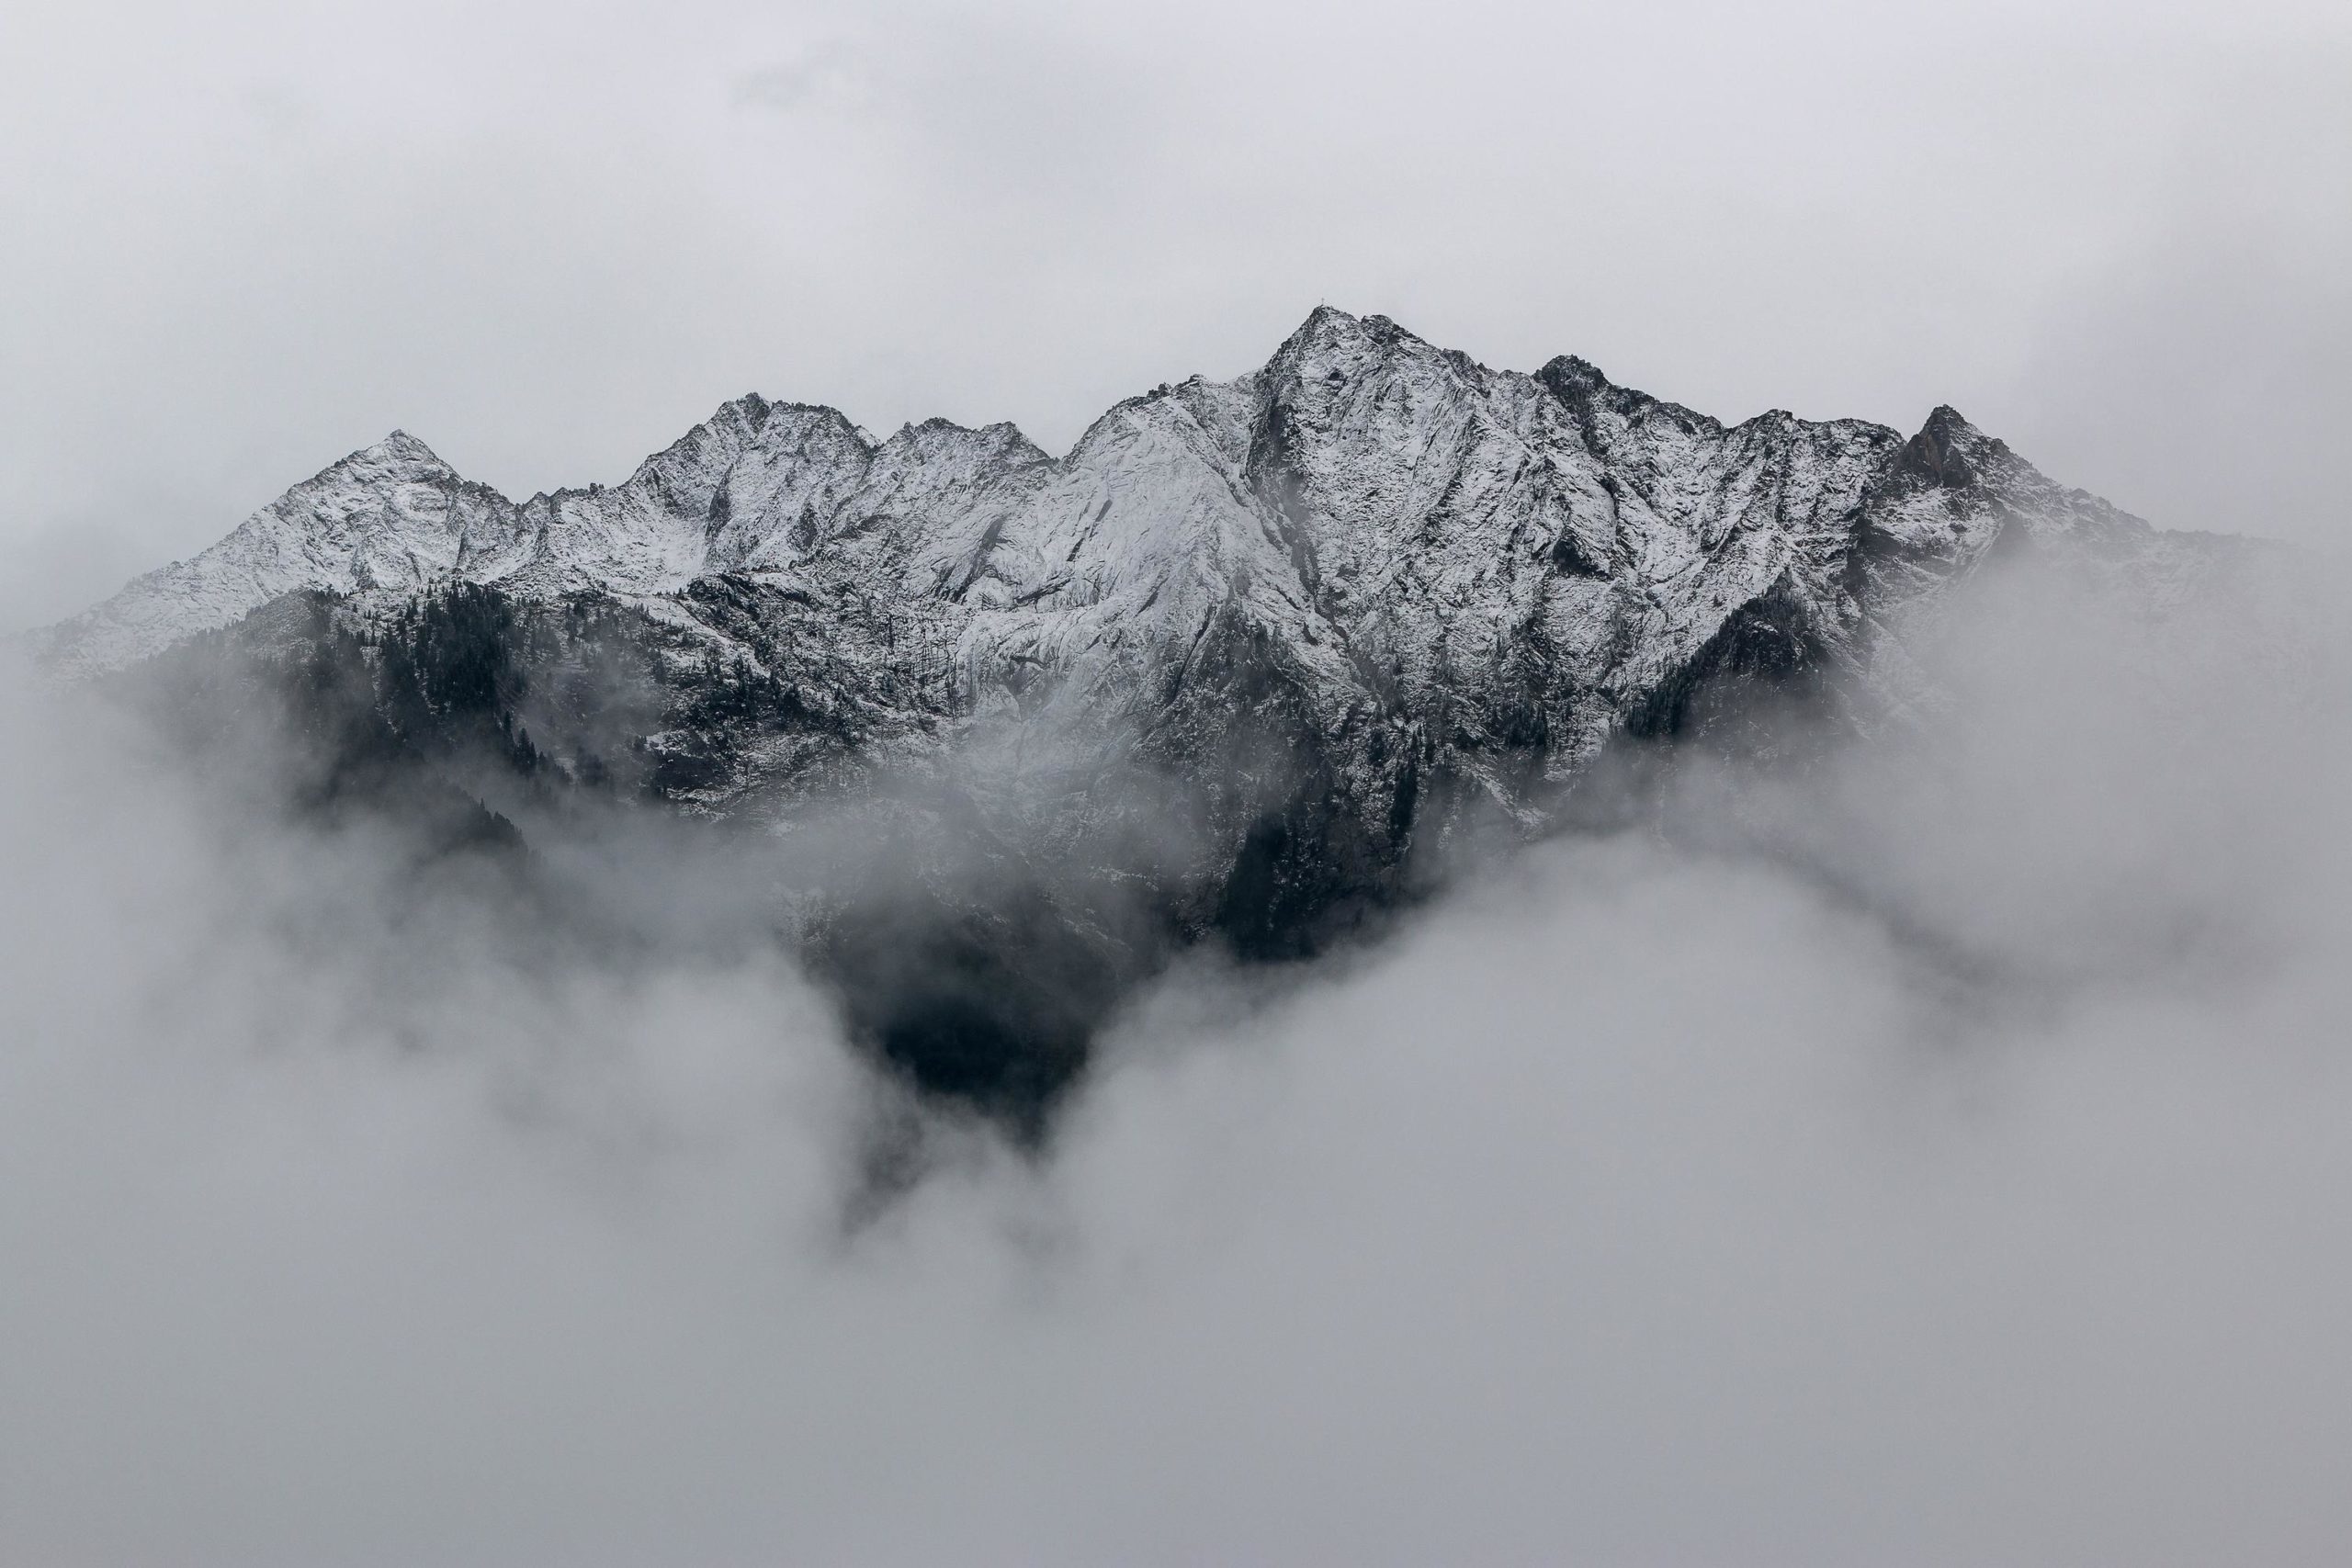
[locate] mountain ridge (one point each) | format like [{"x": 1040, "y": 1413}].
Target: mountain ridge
[
  {"x": 1249, "y": 664},
  {"x": 547, "y": 543}
]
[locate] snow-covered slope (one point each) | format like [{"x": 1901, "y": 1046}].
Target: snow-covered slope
[
  {"x": 1496, "y": 570},
  {"x": 392, "y": 516},
  {"x": 1236, "y": 664}
]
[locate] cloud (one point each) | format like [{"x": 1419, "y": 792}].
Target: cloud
[
  {"x": 1925, "y": 1158},
  {"x": 826, "y": 76}
]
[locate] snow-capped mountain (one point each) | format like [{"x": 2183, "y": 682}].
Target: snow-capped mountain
[
  {"x": 1534, "y": 553},
  {"x": 1249, "y": 646},
  {"x": 1361, "y": 478}
]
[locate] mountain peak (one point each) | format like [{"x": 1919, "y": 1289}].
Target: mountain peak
[
  {"x": 398, "y": 447},
  {"x": 1392, "y": 445},
  {"x": 1948, "y": 452},
  {"x": 1572, "y": 373},
  {"x": 1329, "y": 327},
  {"x": 1333, "y": 346},
  {"x": 1948, "y": 425},
  {"x": 939, "y": 433},
  {"x": 1326, "y": 318}
]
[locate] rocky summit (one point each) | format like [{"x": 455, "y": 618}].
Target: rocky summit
[{"x": 1237, "y": 668}]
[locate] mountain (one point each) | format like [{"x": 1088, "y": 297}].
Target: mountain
[{"x": 1243, "y": 665}]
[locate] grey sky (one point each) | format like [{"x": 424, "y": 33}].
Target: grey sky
[{"x": 247, "y": 238}]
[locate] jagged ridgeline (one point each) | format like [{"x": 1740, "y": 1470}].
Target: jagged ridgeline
[{"x": 1242, "y": 667}]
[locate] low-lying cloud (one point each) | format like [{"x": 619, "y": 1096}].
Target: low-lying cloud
[{"x": 1932, "y": 1156}]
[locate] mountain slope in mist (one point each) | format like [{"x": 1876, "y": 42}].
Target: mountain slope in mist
[
  {"x": 1921, "y": 1148},
  {"x": 1253, "y": 662}
]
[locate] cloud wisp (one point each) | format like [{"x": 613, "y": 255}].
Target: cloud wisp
[{"x": 1927, "y": 1154}]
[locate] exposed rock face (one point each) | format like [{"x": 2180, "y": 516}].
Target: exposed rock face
[{"x": 1231, "y": 665}]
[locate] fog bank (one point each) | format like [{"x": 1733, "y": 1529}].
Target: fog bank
[{"x": 1932, "y": 1156}]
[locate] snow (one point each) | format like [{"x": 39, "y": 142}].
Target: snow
[{"x": 1401, "y": 531}]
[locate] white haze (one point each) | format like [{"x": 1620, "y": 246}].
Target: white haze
[{"x": 1946, "y": 1166}]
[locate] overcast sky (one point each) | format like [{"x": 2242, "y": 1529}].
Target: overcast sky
[{"x": 248, "y": 237}]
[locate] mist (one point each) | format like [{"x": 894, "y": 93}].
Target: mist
[{"x": 1928, "y": 1151}]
